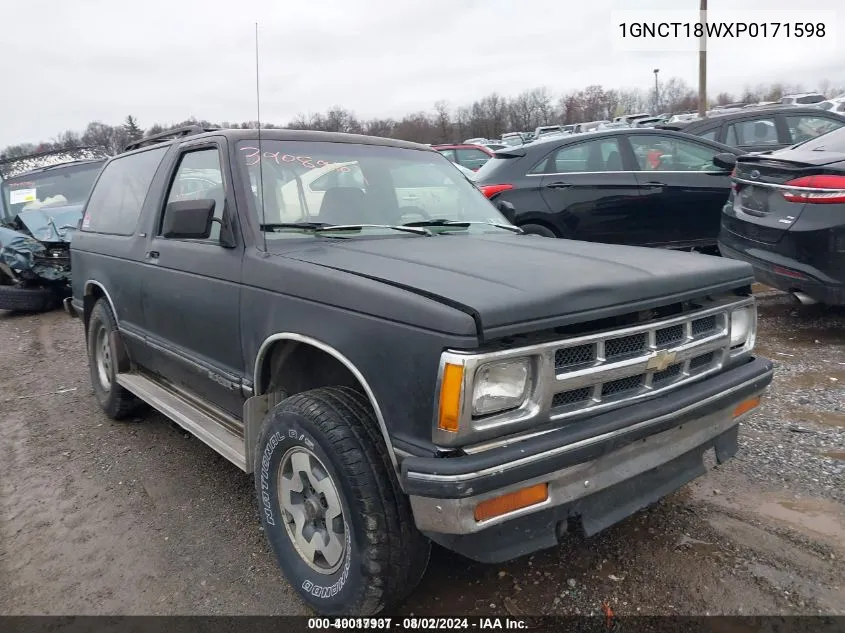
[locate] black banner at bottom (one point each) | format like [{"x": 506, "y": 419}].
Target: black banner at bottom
[{"x": 303, "y": 624}]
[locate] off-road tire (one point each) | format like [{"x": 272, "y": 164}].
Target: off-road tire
[
  {"x": 117, "y": 402},
  {"x": 537, "y": 229},
  {"x": 385, "y": 555},
  {"x": 18, "y": 299}
]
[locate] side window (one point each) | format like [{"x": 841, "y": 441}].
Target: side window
[
  {"x": 471, "y": 158},
  {"x": 710, "y": 135},
  {"x": 448, "y": 153},
  {"x": 655, "y": 152},
  {"x": 116, "y": 201},
  {"x": 752, "y": 132},
  {"x": 598, "y": 155},
  {"x": 200, "y": 177},
  {"x": 803, "y": 127}
]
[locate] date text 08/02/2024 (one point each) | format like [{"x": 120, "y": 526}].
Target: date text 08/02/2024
[{"x": 413, "y": 623}]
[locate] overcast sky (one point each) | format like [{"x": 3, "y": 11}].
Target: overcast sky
[{"x": 65, "y": 63}]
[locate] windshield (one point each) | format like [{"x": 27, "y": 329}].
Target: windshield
[
  {"x": 345, "y": 183},
  {"x": 831, "y": 142},
  {"x": 54, "y": 187}
]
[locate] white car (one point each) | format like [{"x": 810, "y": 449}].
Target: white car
[
  {"x": 832, "y": 105},
  {"x": 422, "y": 191}
]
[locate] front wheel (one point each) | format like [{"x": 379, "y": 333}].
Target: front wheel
[{"x": 337, "y": 522}]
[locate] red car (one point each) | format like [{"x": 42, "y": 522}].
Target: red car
[{"x": 469, "y": 156}]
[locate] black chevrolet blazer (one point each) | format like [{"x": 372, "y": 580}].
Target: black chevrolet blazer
[{"x": 352, "y": 321}]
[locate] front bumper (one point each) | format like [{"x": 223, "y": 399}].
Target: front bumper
[{"x": 632, "y": 458}]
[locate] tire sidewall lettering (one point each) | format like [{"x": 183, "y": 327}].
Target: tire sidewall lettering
[{"x": 283, "y": 435}]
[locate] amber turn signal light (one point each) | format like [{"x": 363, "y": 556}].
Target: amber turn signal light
[
  {"x": 746, "y": 406},
  {"x": 516, "y": 500},
  {"x": 450, "y": 397}
]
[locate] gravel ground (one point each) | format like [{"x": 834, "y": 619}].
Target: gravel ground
[{"x": 98, "y": 517}]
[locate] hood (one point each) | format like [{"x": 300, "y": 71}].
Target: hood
[
  {"x": 508, "y": 280},
  {"x": 51, "y": 224}
]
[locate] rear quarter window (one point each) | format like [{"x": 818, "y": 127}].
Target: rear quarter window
[
  {"x": 494, "y": 165},
  {"x": 118, "y": 196}
]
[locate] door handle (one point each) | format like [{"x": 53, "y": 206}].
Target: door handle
[
  {"x": 151, "y": 255},
  {"x": 558, "y": 185},
  {"x": 655, "y": 185}
]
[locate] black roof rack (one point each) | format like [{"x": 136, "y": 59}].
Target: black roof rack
[
  {"x": 168, "y": 135},
  {"x": 15, "y": 166},
  {"x": 66, "y": 150}
]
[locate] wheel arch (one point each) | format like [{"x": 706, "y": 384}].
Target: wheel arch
[
  {"x": 288, "y": 349},
  {"x": 93, "y": 291},
  {"x": 541, "y": 222}
]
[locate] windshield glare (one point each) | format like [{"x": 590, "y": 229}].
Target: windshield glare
[
  {"x": 344, "y": 183},
  {"x": 55, "y": 187}
]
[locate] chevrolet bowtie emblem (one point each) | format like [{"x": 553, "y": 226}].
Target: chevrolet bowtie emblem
[{"x": 661, "y": 360}]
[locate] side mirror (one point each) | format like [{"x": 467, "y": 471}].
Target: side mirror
[
  {"x": 507, "y": 209},
  {"x": 188, "y": 219},
  {"x": 725, "y": 161}
]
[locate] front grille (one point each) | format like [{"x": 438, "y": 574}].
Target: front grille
[
  {"x": 569, "y": 398},
  {"x": 625, "y": 347},
  {"x": 605, "y": 370},
  {"x": 577, "y": 356}
]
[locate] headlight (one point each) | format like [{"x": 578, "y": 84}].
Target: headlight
[
  {"x": 500, "y": 385},
  {"x": 743, "y": 329}
]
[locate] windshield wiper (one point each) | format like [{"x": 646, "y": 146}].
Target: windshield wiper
[
  {"x": 464, "y": 224},
  {"x": 357, "y": 227},
  {"x": 293, "y": 225},
  {"x": 321, "y": 227}
]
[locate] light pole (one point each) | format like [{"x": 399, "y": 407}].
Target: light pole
[
  {"x": 656, "y": 92},
  {"x": 702, "y": 62}
]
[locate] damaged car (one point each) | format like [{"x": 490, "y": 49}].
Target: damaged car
[{"x": 41, "y": 199}]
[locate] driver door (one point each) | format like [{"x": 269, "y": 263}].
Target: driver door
[
  {"x": 191, "y": 288},
  {"x": 681, "y": 186}
]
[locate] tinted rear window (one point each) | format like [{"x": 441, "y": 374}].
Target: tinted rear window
[
  {"x": 830, "y": 142},
  {"x": 493, "y": 165},
  {"x": 118, "y": 196}
]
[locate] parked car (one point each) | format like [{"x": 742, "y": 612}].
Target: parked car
[
  {"x": 615, "y": 125},
  {"x": 549, "y": 130},
  {"x": 786, "y": 217},
  {"x": 630, "y": 118},
  {"x": 466, "y": 172},
  {"x": 648, "y": 121},
  {"x": 469, "y": 156},
  {"x": 804, "y": 98},
  {"x": 589, "y": 126},
  {"x": 635, "y": 186},
  {"x": 41, "y": 198},
  {"x": 833, "y": 105},
  {"x": 514, "y": 139},
  {"x": 762, "y": 130},
  {"x": 389, "y": 384}
]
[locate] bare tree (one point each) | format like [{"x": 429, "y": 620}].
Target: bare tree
[
  {"x": 489, "y": 116},
  {"x": 444, "y": 121}
]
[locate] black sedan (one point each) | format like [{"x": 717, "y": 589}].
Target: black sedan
[
  {"x": 762, "y": 129},
  {"x": 786, "y": 217},
  {"x": 633, "y": 186}
]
